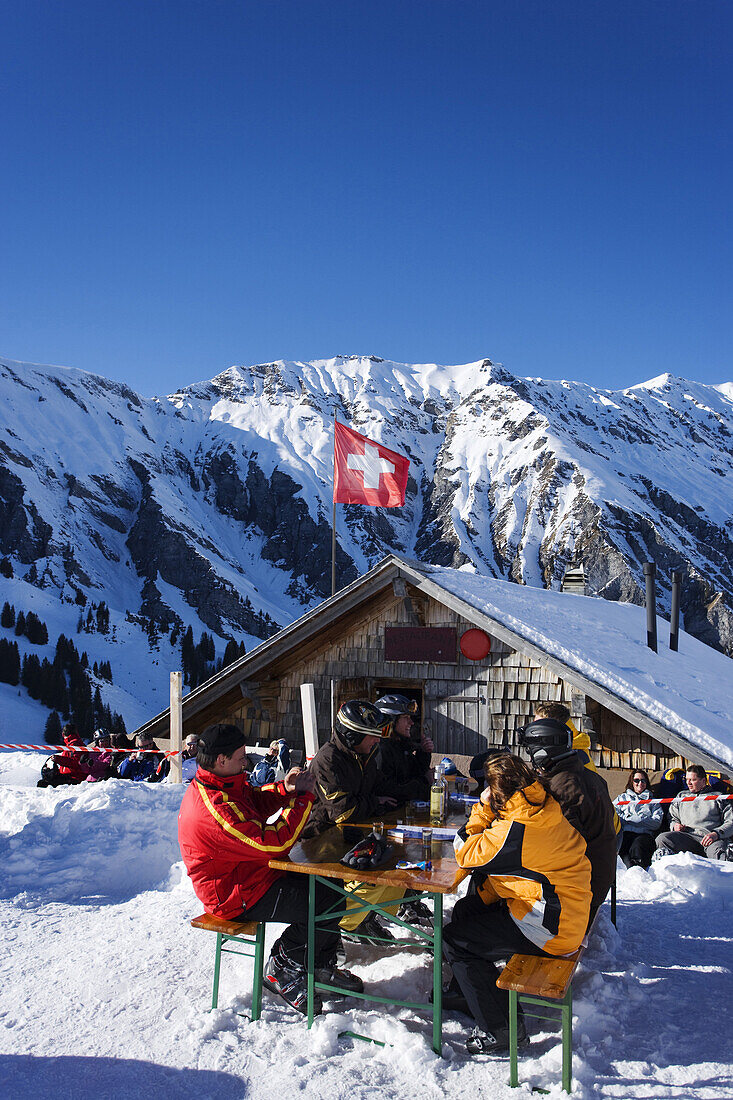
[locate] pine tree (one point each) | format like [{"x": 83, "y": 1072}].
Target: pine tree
[
  {"x": 52, "y": 731},
  {"x": 60, "y": 687},
  {"x": 9, "y": 662},
  {"x": 117, "y": 725},
  {"x": 20, "y": 624},
  {"x": 98, "y": 708},
  {"x": 30, "y": 676},
  {"x": 47, "y": 684},
  {"x": 36, "y": 630},
  {"x": 6, "y": 568},
  {"x": 7, "y": 616},
  {"x": 103, "y": 618}
]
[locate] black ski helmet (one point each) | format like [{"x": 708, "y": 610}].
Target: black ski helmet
[
  {"x": 392, "y": 706},
  {"x": 102, "y": 734},
  {"x": 356, "y": 720},
  {"x": 546, "y": 741}
]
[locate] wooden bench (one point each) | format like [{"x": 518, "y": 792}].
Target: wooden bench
[
  {"x": 250, "y": 935},
  {"x": 546, "y": 981}
]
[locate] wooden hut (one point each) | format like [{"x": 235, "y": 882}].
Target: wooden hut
[{"x": 476, "y": 678}]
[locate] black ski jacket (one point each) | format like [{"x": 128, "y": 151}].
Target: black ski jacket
[
  {"x": 586, "y": 803},
  {"x": 404, "y": 766},
  {"x": 347, "y": 786}
]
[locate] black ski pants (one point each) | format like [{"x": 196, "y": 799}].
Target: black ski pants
[
  {"x": 636, "y": 849},
  {"x": 475, "y": 938},
  {"x": 286, "y": 902}
]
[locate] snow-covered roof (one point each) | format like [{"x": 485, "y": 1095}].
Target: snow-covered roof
[{"x": 687, "y": 695}]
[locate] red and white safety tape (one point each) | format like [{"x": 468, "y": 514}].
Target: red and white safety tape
[
  {"x": 90, "y": 748},
  {"x": 687, "y": 798}
]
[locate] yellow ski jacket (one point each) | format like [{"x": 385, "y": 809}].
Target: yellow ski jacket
[{"x": 535, "y": 859}]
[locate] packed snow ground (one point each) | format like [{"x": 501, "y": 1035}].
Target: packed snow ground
[{"x": 105, "y": 988}]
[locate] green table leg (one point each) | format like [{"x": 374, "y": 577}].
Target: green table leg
[
  {"x": 438, "y": 974},
  {"x": 311, "y": 949},
  {"x": 217, "y": 967},
  {"x": 513, "y": 1066},
  {"x": 567, "y": 1042},
  {"x": 259, "y": 960}
]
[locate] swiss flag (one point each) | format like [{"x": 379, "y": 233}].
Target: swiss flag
[{"x": 366, "y": 472}]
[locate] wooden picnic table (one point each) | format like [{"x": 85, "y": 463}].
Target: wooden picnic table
[{"x": 320, "y": 858}]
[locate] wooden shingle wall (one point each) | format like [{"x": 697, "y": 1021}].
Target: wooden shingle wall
[{"x": 467, "y": 706}]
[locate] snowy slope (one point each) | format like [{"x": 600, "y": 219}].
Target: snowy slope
[
  {"x": 105, "y": 988},
  {"x": 211, "y": 507}
]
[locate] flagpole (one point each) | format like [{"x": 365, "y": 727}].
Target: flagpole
[{"x": 333, "y": 525}]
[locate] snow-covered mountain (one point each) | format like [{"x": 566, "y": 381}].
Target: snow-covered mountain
[{"x": 212, "y": 506}]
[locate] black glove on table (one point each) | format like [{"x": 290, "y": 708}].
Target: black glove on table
[{"x": 368, "y": 853}]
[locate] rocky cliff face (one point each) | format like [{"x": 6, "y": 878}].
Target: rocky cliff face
[{"x": 214, "y": 502}]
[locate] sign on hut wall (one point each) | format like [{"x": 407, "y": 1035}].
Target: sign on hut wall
[{"x": 420, "y": 643}]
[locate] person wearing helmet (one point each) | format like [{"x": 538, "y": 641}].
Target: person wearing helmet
[
  {"x": 405, "y": 766},
  {"x": 581, "y": 741},
  {"x": 582, "y": 794},
  {"x": 348, "y": 788},
  {"x": 403, "y": 761}
]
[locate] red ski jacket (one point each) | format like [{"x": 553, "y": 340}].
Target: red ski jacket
[
  {"x": 73, "y": 765},
  {"x": 226, "y": 842}
]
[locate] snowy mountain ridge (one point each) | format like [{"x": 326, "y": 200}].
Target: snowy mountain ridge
[{"x": 212, "y": 506}]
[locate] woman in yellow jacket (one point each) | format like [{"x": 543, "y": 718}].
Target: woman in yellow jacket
[{"x": 530, "y": 893}]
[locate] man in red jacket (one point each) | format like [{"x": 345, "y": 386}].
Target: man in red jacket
[{"x": 228, "y": 832}]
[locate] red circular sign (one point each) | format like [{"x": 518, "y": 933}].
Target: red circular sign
[{"x": 475, "y": 644}]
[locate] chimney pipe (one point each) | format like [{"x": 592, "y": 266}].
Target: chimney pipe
[
  {"x": 650, "y": 571},
  {"x": 674, "y": 622}
]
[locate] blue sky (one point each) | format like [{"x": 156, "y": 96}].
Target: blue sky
[{"x": 186, "y": 185}]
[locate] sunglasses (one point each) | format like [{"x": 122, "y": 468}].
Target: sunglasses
[{"x": 641, "y": 779}]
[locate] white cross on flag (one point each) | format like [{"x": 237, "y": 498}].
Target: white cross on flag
[{"x": 366, "y": 472}]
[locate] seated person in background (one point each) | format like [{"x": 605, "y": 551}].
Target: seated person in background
[
  {"x": 404, "y": 764},
  {"x": 66, "y": 767},
  {"x": 671, "y": 783},
  {"x": 719, "y": 782},
  {"x": 228, "y": 831},
  {"x": 581, "y": 741},
  {"x": 403, "y": 761},
  {"x": 120, "y": 741},
  {"x": 582, "y": 794},
  {"x": 189, "y": 765},
  {"x": 701, "y": 826},
  {"x": 640, "y": 823},
  {"x": 142, "y": 765},
  {"x": 347, "y": 786},
  {"x": 532, "y": 893},
  {"x": 274, "y": 766},
  {"x": 101, "y": 764}
]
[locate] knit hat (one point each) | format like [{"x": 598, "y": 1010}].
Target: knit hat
[{"x": 221, "y": 739}]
